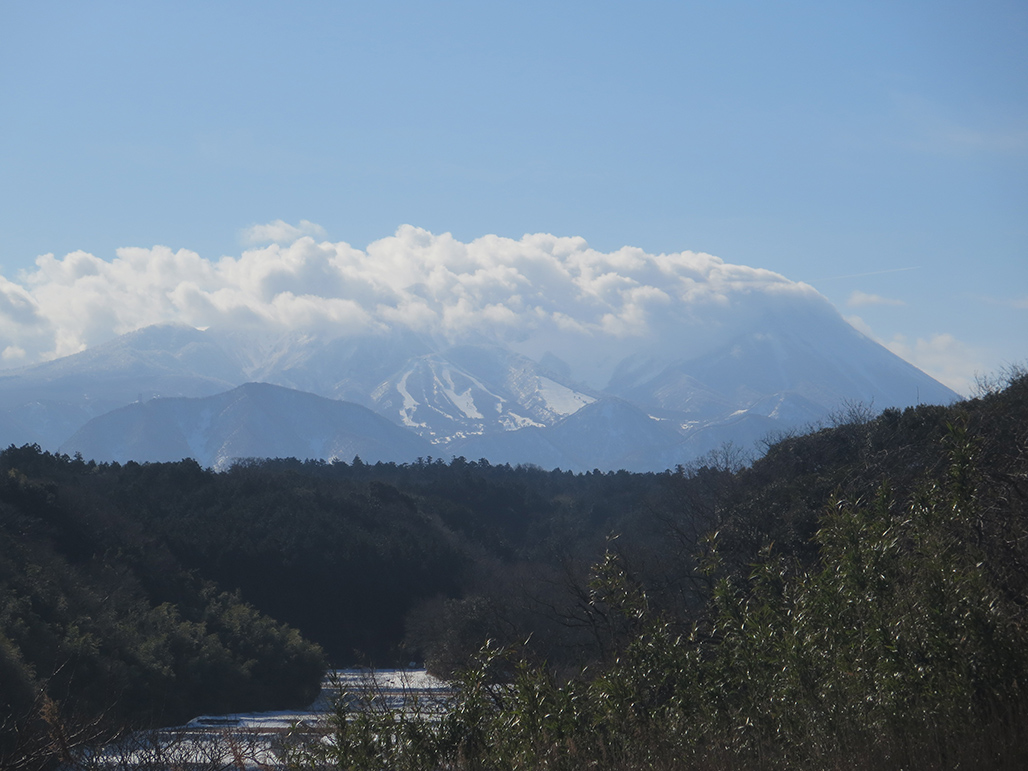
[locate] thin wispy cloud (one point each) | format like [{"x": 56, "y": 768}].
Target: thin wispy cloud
[
  {"x": 932, "y": 130},
  {"x": 1018, "y": 303},
  {"x": 279, "y": 232},
  {"x": 858, "y": 299},
  {"x": 864, "y": 275},
  {"x": 1005, "y": 142}
]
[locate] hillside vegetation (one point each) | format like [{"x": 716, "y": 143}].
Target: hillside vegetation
[
  {"x": 864, "y": 607},
  {"x": 855, "y": 598}
]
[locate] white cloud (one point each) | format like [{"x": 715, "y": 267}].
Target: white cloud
[
  {"x": 539, "y": 293},
  {"x": 947, "y": 359},
  {"x": 861, "y": 326},
  {"x": 860, "y": 299},
  {"x": 942, "y": 356},
  {"x": 280, "y": 232}
]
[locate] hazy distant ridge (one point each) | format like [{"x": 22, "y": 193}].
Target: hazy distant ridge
[
  {"x": 412, "y": 395},
  {"x": 256, "y": 419}
]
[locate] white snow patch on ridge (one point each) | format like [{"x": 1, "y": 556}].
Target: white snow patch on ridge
[
  {"x": 410, "y": 404},
  {"x": 463, "y": 401},
  {"x": 561, "y": 399},
  {"x": 514, "y": 422}
]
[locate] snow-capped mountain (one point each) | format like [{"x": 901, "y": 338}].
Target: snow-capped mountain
[
  {"x": 470, "y": 391},
  {"x": 481, "y": 399}
]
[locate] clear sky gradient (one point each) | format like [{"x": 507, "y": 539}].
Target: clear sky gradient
[{"x": 875, "y": 150}]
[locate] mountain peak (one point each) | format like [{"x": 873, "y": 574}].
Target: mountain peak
[{"x": 480, "y": 399}]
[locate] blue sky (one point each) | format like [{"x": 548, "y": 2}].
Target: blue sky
[{"x": 877, "y": 150}]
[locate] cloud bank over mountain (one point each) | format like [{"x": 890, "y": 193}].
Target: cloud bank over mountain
[{"x": 539, "y": 294}]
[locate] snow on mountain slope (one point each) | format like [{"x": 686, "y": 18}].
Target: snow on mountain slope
[
  {"x": 559, "y": 399},
  {"x": 473, "y": 390},
  {"x": 253, "y": 420}
]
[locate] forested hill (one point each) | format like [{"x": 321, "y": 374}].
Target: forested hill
[
  {"x": 102, "y": 628},
  {"x": 158, "y": 591}
]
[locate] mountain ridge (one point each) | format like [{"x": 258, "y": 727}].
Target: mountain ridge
[
  {"x": 480, "y": 399},
  {"x": 221, "y": 429}
]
